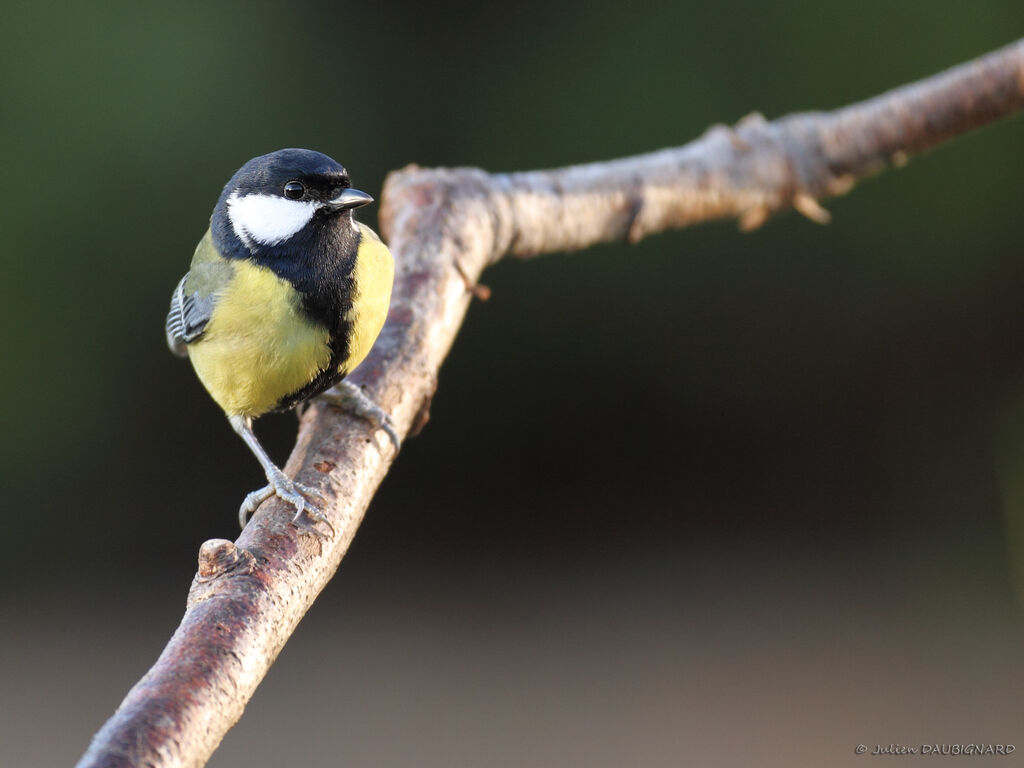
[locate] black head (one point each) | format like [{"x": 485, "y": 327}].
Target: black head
[{"x": 273, "y": 198}]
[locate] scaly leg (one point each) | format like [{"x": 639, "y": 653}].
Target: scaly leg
[{"x": 288, "y": 490}]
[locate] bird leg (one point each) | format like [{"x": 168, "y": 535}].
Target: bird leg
[
  {"x": 351, "y": 399},
  {"x": 287, "y": 490}
]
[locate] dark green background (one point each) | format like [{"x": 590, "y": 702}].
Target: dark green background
[{"x": 715, "y": 497}]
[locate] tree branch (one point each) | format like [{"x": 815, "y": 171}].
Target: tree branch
[{"x": 445, "y": 227}]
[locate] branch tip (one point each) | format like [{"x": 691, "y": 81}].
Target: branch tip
[
  {"x": 479, "y": 290},
  {"x": 753, "y": 218},
  {"x": 811, "y": 208}
]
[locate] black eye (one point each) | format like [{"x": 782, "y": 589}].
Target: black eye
[{"x": 294, "y": 190}]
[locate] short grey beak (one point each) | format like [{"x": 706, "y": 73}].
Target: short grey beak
[{"x": 349, "y": 199}]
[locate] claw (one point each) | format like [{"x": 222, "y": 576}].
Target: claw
[
  {"x": 302, "y": 505},
  {"x": 293, "y": 493},
  {"x": 252, "y": 502},
  {"x": 351, "y": 398},
  {"x": 391, "y": 432}
]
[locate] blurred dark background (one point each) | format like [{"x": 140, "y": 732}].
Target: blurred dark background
[{"x": 714, "y": 498}]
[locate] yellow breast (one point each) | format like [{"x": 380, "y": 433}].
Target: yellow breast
[
  {"x": 374, "y": 274},
  {"x": 258, "y": 346}
]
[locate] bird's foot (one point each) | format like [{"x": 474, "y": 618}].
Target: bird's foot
[
  {"x": 350, "y": 398},
  {"x": 292, "y": 492}
]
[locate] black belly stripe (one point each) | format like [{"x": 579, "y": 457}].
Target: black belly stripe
[
  {"x": 320, "y": 264},
  {"x": 324, "y": 381}
]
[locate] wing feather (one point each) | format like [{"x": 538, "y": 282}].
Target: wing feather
[
  {"x": 193, "y": 300},
  {"x": 187, "y": 318}
]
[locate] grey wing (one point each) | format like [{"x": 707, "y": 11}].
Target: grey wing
[{"x": 187, "y": 318}]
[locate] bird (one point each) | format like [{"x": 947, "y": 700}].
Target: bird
[{"x": 285, "y": 296}]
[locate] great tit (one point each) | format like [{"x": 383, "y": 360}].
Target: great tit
[{"x": 285, "y": 296}]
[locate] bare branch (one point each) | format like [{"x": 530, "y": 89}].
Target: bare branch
[{"x": 445, "y": 227}]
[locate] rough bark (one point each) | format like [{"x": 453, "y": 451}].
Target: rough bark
[{"x": 444, "y": 228}]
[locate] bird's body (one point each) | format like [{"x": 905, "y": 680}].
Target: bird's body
[
  {"x": 285, "y": 295},
  {"x": 289, "y": 353}
]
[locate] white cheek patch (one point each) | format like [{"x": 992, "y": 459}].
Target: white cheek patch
[{"x": 267, "y": 219}]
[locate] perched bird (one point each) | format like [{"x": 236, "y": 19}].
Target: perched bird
[{"x": 286, "y": 294}]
